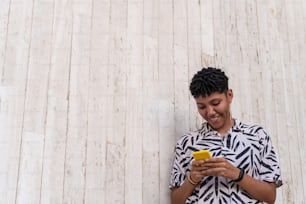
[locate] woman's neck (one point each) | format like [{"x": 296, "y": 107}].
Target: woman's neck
[{"x": 229, "y": 124}]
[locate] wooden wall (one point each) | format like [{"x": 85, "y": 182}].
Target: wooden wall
[{"x": 94, "y": 93}]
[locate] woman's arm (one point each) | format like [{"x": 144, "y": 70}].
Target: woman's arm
[
  {"x": 260, "y": 190},
  {"x": 180, "y": 194}
]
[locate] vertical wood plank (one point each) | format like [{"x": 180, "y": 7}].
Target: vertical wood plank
[
  {"x": 57, "y": 106},
  {"x": 115, "y": 149},
  {"x": 33, "y": 135},
  {"x": 134, "y": 97},
  {"x": 7, "y": 103},
  {"x": 243, "y": 77},
  {"x": 97, "y": 109},
  {"x": 117, "y": 70},
  {"x": 180, "y": 60},
  {"x": 256, "y": 72},
  {"x": 4, "y": 21},
  {"x": 114, "y": 171},
  {"x": 301, "y": 75},
  {"x": 166, "y": 94},
  {"x": 15, "y": 61},
  {"x": 294, "y": 22},
  {"x": 265, "y": 63},
  {"x": 76, "y": 143},
  {"x": 207, "y": 31},
  {"x": 218, "y": 15},
  {"x": 150, "y": 140}
]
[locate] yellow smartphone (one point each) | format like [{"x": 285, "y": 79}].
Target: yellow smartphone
[{"x": 201, "y": 155}]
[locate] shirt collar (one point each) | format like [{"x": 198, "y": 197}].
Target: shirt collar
[{"x": 236, "y": 127}]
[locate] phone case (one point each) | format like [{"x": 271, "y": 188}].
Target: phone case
[{"x": 201, "y": 154}]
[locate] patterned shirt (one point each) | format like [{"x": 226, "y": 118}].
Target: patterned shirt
[{"x": 245, "y": 146}]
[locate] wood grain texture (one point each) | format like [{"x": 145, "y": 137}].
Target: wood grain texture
[{"x": 94, "y": 94}]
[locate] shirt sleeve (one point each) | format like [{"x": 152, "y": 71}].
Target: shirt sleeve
[
  {"x": 269, "y": 169},
  {"x": 180, "y": 166}
]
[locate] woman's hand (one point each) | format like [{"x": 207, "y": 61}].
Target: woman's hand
[
  {"x": 213, "y": 167},
  {"x": 197, "y": 171}
]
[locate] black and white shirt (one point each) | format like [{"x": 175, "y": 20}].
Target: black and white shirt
[{"x": 245, "y": 146}]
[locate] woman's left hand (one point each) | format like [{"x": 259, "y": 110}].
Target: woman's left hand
[{"x": 220, "y": 166}]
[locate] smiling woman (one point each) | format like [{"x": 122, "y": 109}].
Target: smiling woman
[{"x": 244, "y": 167}]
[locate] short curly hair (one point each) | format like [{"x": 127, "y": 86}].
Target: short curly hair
[{"x": 207, "y": 81}]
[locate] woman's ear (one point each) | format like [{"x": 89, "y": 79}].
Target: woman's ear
[{"x": 230, "y": 95}]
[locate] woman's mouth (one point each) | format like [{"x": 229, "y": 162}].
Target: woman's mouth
[{"x": 213, "y": 119}]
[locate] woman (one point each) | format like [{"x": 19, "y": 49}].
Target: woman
[{"x": 243, "y": 167}]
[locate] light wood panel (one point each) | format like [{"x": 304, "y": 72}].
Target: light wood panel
[
  {"x": 94, "y": 94},
  {"x": 15, "y": 74}
]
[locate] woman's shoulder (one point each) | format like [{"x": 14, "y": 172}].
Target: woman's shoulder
[
  {"x": 253, "y": 130},
  {"x": 192, "y": 136},
  {"x": 249, "y": 127}
]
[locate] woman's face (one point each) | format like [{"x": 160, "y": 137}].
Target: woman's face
[{"x": 215, "y": 109}]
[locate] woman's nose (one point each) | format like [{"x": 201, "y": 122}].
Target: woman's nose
[{"x": 210, "y": 110}]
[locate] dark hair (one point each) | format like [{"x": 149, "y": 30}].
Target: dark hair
[{"x": 207, "y": 81}]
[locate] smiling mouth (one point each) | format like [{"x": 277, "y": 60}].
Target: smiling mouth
[{"x": 213, "y": 119}]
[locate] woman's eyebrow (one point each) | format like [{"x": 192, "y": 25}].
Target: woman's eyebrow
[{"x": 215, "y": 99}]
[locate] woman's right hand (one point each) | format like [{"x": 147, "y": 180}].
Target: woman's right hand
[{"x": 197, "y": 169}]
